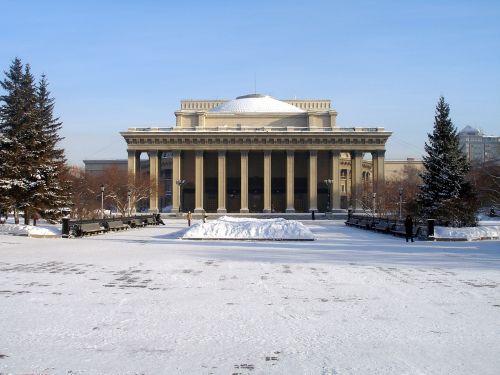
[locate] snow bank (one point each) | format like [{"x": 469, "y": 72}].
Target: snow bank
[
  {"x": 469, "y": 234},
  {"x": 29, "y": 230},
  {"x": 249, "y": 229}
]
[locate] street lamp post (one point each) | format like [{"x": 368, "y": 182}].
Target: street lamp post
[
  {"x": 128, "y": 196},
  {"x": 180, "y": 183},
  {"x": 400, "y": 203},
  {"x": 102, "y": 201},
  {"x": 328, "y": 183},
  {"x": 374, "y": 195}
]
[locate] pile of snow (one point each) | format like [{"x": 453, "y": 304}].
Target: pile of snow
[
  {"x": 468, "y": 233},
  {"x": 249, "y": 229},
  {"x": 29, "y": 230}
]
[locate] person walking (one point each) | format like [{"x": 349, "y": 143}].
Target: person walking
[
  {"x": 409, "y": 228},
  {"x": 189, "y": 217}
]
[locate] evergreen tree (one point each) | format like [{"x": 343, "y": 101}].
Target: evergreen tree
[
  {"x": 18, "y": 136},
  {"x": 446, "y": 195},
  {"x": 53, "y": 194},
  {"x": 9, "y": 120},
  {"x": 33, "y": 167}
]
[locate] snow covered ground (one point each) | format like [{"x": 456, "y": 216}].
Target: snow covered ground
[{"x": 351, "y": 302}]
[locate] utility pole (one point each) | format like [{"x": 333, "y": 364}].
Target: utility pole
[{"x": 400, "y": 203}]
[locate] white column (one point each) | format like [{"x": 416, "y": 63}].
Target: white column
[
  {"x": 221, "y": 179},
  {"x": 244, "y": 182},
  {"x": 176, "y": 175},
  {"x": 133, "y": 166},
  {"x": 199, "y": 189},
  {"x": 379, "y": 174},
  {"x": 154, "y": 180},
  {"x": 313, "y": 180},
  {"x": 290, "y": 179},
  {"x": 356, "y": 180},
  {"x": 134, "y": 171},
  {"x": 267, "y": 180},
  {"x": 335, "y": 193}
]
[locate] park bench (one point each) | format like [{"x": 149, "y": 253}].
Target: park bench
[
  {"x": 136, "y": 223},
  {"x": 398, "y": 230},
  {"x": 91, "y": 228},
  {"x": 382, "y": 226},
  {"x": 116, "y": 225},
  {"x": 151, "y": 221},
  {"x": 365, "y": 223},
  {"x": 352, "y": 221}
]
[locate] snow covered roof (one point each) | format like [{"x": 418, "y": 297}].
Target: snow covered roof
[{"x": 256, "y": 103}]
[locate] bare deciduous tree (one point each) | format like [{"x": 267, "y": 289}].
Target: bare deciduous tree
[
  {"x": 86, "y": 192},
  {"x": 486, "y": 180}
]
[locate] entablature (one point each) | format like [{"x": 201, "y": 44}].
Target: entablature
[{"x": 344, "y": 141}]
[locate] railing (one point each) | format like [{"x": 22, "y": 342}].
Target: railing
[
  {"x": 389, "y": 225},
  {"x": 264, "y": 129}
]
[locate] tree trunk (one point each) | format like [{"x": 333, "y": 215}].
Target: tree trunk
[
  {"x": 16, "y": 216},
  {"x": 27, "y": 216}
]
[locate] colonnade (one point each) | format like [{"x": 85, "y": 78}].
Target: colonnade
[{"x": 333, "y": 173}]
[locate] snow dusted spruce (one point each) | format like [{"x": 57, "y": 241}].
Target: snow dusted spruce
[
  {"x": 32, "y": 164},
  {"x": 446, "y": 195},
  {"x": 233, "y": 228}
]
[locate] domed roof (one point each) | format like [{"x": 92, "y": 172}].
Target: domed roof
[
  {"x": 469, "y": 130},
  {"x": 256, "y": 103}
]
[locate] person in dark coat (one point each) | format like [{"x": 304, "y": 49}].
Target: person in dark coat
[
  {"x": 159, "y": 220},
  {"x": 409, "y": 228}
]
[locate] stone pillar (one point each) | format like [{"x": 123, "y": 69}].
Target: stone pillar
[
  {"x": 199, "y": 182},
  {"x": 378, "y": 172},
  {"x": 134, "y": 171},
  {"x": 267, "y": 180},
  {"x": 290, "y": 179},
  {"x": 374, "y": 170},
  {"x": 313, "y": 180},
  {"x": 221, "y": 179},
  {"x": 244, "y": 182},
  {"x": 335, "y": 192},
  {"x": 133, "y": 166},
  {"x": 356, "y": 180},
  {"x": 154, "y": 180},
  {"x": 176, "y": 175}
]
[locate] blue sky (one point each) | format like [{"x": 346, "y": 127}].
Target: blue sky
[{"x": 118, "y": 64}]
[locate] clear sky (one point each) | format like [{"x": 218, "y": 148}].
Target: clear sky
[{"x": 118, "y": 64}]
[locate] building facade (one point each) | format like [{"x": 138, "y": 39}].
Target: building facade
[
  {"x": 395, "y": 169},
  {"x": 259, "y": 154},
  {"x": 479, "y": 147}
]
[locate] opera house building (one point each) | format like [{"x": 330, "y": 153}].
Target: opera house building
[{"x": 256, "y": 154}]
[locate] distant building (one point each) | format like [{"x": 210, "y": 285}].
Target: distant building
[
  {"x": 395, "y": 169},
  {"x": 97, "y": 167},
  {"x": 479, "y": 147}
]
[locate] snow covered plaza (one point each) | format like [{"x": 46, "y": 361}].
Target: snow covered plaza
[{"x": 147, "y": 302}]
